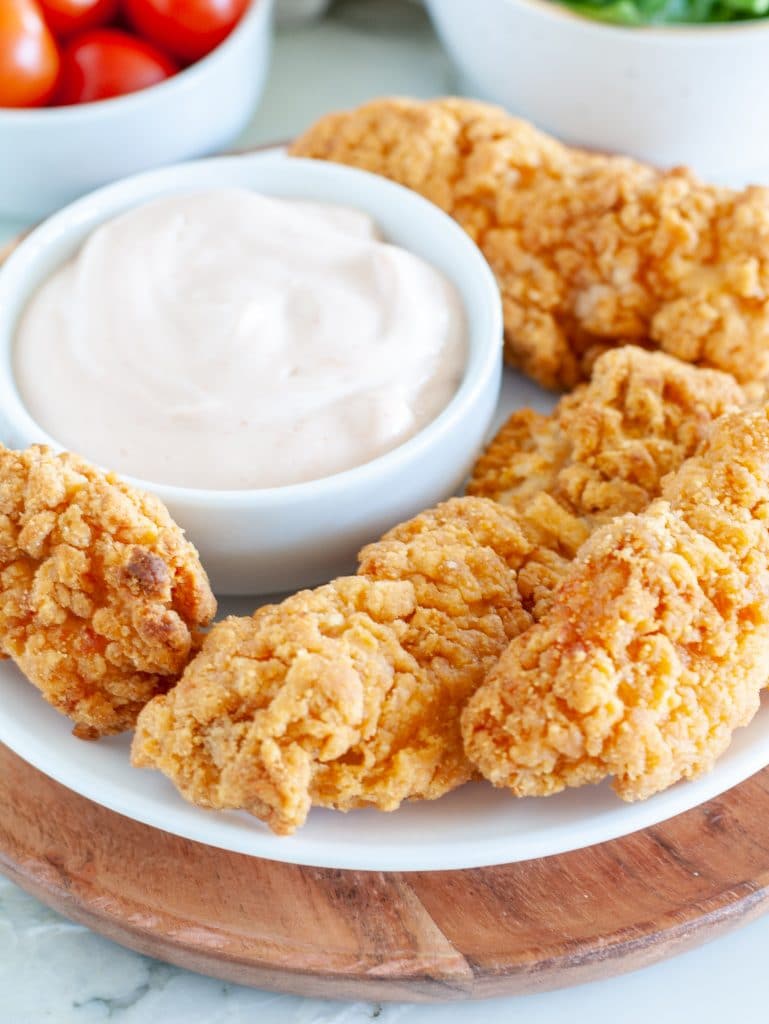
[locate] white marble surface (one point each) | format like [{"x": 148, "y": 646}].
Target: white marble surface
[{"x": 54, "y": 971}]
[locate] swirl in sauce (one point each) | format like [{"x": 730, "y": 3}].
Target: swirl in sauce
[{"x": 224, "y": 340}]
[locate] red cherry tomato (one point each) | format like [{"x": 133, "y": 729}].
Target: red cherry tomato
[
  {"x": 106, "y": 62},
  {"x": 188, "y": 29},
  {"x": 66, "y": 17},
  {"x": 29, "y": 59}
]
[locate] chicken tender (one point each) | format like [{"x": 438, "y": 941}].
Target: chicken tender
[
  {"x": 350, "y": 695},
  {"x": 101, "y": 596},
  {"x": 603, "y": 452},
  {"x": 589, "y": 251},
  {"x": 607, "y": 446},
  {"x": 656, "y": 644}
]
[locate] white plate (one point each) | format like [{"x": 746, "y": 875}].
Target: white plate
[{"x": 472, "y": 827}]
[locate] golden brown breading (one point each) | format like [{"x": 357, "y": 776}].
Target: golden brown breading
[
  {"x": 348, "y": 695},
  {"x": 607, "y": 446},
  {"x": 656, "y": 644},
  {"x": 100, "y": 594},
  {"x": 588, "y": 250}
]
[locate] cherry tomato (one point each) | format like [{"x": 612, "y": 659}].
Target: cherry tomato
[
  {"x": 188, "y": 29},
  {"x": 66, "y": 17},
  {"x": 105, "y": 62},
  {"x": 29, "y": 59}
]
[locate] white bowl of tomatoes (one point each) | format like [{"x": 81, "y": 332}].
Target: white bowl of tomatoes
[{"x": 94, "y": 90}]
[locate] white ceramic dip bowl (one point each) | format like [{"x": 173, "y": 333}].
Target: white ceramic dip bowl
[
  {"x": 668, "y": 94},
  {"x": 270, "y": 540},
  {"x": 51, "y": 155}
]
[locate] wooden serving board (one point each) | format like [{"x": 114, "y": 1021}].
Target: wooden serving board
[
  {"x": 420, "y": 936},
  {"x": 412, "y": 936}
]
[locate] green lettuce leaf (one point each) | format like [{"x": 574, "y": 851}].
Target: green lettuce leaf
[{"x": 668, "y": 12}]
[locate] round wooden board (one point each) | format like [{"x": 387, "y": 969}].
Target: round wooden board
[{"x": 413, "y": 936}]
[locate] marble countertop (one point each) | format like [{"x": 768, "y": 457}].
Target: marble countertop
[{"x": 55, "y": 971}]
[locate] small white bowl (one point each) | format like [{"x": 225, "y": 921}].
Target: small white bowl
[
  {"x": 276, "y": 539},
  {"x": 668, "y": 95},
  {"x": 52, "y": 155}
]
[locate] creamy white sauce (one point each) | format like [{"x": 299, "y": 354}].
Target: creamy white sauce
[{"x": 228, "y": 340}]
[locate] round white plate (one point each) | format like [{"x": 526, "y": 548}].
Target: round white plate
[{"x": 472, "y": 827}]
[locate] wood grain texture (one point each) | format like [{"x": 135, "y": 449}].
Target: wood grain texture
[{"x": 367, "y": 935}]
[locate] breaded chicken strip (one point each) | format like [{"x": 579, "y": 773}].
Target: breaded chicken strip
[
  {"x": 603, "y": 452},
  {"x": 100, "y": 594},
  {"x": 588, "y": 250},
  {"x": 656, "y": 645},
  {"x": 350, "y": 695},
  {"x": 606, "y": 447}
]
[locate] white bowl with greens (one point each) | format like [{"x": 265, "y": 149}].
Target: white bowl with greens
[{"x": 669, "y": 81}]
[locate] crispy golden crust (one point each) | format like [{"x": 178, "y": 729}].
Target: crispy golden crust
[
  {"x": 348, "y": 695},
  {"x": 607, "y": 446},
  {"x": 656, "y": 644},
  {"x": 100, "y": 594},
  {"x": 588, "y": 250},
  {"x": 603, "y": 452}
]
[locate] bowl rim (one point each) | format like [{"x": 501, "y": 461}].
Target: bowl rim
[
  {"x": 483, "y": 363},
  {"x": 648, "y": 33},
  {"x": 256, "y": 12}
]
